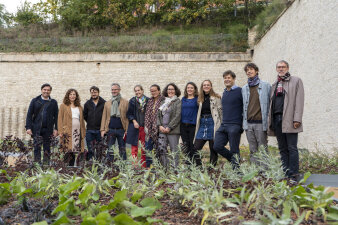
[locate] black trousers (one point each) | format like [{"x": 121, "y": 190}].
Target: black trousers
[
  {"x": 229, "y": 133},
  {"x": 44, "y": 140},
  {"x": 287, "y": 144},
  {"x": 187, "y": 135},
  {"x": 198, "y": 145}
]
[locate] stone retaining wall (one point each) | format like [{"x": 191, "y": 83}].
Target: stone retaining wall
[{"x": 22, "y": 74}]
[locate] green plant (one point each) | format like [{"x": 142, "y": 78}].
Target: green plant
[
  {"x": 5, "y": 193},
  {"x": 268, "y": 16},
  {"x": 26, "y": 15},
  {"x": 45, "y": 183},
  {"x": 96, "y": 176},
  {"x": 318, "y": 161}
]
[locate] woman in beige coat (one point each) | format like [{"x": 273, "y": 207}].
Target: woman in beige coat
[
  {"x": 209, "y": 119},
  {"x": 71, "y": 124}
]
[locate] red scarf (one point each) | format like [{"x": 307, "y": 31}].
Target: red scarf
[{"x": 280, "y": 80}]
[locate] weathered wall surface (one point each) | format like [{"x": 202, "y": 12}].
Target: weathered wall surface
[
  {"x": 306, "y": 36},
  {"x": 21, "y": 76}
]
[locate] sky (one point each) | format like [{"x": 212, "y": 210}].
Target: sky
[{"x": 12, "y": 5}]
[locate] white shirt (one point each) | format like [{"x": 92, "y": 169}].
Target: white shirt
[{"x": 75, "y": 112}]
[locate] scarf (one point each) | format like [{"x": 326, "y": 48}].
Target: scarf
[
  {"x": 253, "y": 81},
  {"x": 166, "y": 104},
  {"x": 150, "y": 121},
  {"x": 115, "y": 106},
  {"x": 280, "y": 89},
  {"x": 142, "y": 102}
]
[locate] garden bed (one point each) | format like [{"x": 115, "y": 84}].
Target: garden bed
[{"x": 121, "y": 193}]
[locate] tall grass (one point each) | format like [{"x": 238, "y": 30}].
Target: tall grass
[
  {"x": 268, "y": 16},
  {"x": 160, "y": 39}
]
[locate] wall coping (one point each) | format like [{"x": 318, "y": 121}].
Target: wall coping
[{"x": 127, "y": 57}]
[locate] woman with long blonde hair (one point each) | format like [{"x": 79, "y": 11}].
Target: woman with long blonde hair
[{"x": 209, "y": 118}]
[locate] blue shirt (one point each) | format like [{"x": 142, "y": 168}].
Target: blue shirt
[
  {"x": 189, "y": 110},
  {"x": 232, "y": 88}
]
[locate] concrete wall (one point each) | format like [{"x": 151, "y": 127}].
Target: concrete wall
[
  {"x": 306, "y": 36},
  {"x": 22, "y": 74}
]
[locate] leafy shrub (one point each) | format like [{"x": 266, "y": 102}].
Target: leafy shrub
[
  {"x": 268, "y": 16},
  {"x": 26, "y": 15}
]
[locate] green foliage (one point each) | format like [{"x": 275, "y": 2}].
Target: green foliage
[
  {"x": 45, "y": 183},
  {"x": 87, "y": 15},
  {"x": 268, "y": 16},
  {"x": 82, "y": 14},
  {"x": 40, "y": 223},
  {"x": 26, "y": 15},
  {"x": 4, "y": 16},
  {"x": 222, "y": 196},
  {"x": 48, "y": 10},
  {"x": 5, "y": 193},
  {"x": 128, "y": 26},
  {"x": 318, "y": 161}
]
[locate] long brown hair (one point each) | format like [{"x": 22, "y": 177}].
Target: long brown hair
[
  {"x": 212, "y": 93},
  {"x": 195, "y": 89},
  {"x": 77, "y": 101}
]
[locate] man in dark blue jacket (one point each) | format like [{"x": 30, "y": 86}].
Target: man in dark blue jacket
[
  {"x": 231, "y": 127},
  {"x": 92, "y": 113},
  {"x": 41, "y": 122}
]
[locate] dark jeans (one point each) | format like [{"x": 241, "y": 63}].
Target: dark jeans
[
  {"x": 93, "y": 137},
  {"x": 229, "y": 133},
  {"x": 199, "y": 143},
  {"x": 44, "y": 140},
  {"x": 149, "y": 146},
  {"x": 118, "y": 134},
  {"x": 187, "y": 135},
  {"x": 287, "y": 144}
]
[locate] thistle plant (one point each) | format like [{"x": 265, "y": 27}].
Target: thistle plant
[{"x": 96, "y": 175}]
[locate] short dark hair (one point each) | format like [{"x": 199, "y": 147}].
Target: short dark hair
[
  {"x": 94, "y": 88},
  {"x": 46, "y": 85},
  {"x": 177, "y": 90},
  {"x": 157, "y": 86},
  {"x": 251, "y": 65},
  {"x": 229, "y": 72},
  {"x": 195, "y": 87}
]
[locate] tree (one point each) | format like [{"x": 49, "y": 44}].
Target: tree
[
  {"x": 4, "y": 16},
  {"x": 83, "y": 14},
  {"x": 126, "y": 13},
  {"x": 48, "y": 10},
  {"x": 26, "y": 15}
]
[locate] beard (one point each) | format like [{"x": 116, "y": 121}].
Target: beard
[{"x": 95, "y": 98}]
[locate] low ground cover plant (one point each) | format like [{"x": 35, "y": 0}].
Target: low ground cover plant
[{"x": 121, "y": 193}]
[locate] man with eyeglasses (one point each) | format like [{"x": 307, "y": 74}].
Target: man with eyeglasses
[
  {"x": 285, "y": 117},
  {"x": 114, "y": 121}
]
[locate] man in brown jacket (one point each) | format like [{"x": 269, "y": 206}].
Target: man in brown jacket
[
  {"x": 114, "y": 121},
  {"x": 285, "y": 117}
]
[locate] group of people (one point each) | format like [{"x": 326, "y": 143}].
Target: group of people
[{"x": 200, "y": 116}]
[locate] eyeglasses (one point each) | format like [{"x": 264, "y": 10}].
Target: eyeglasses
[
  {"x": 115, "y": 89},
  {"x": 281, "y": 67}
]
